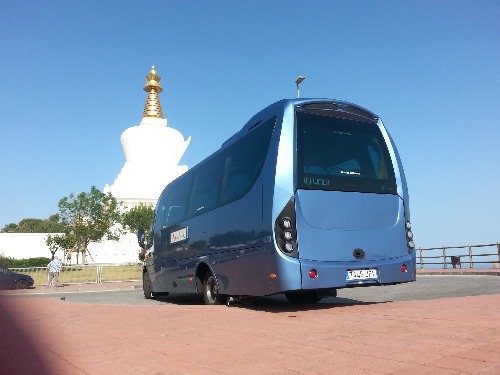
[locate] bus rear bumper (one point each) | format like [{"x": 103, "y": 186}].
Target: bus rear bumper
[{"x": 325, "y": 275}]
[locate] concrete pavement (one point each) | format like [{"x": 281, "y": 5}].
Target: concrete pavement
[
  {"x": 76, "y": 288},
  {"x": 445, "y": 336}
]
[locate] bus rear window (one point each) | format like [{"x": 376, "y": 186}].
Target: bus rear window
[{"x": 343, "y": 155}]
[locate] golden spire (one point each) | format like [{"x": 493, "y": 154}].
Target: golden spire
[{"x": 152, "y": 108}]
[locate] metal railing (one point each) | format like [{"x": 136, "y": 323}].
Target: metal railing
[
  {"x": 77, "y": 274},
  {"x": 458, "y": 256}
]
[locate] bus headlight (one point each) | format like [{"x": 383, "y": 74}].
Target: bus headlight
[{"x": 285, "y": 231}]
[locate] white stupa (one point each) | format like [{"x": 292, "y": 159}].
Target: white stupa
[{"x": 152, "y": 152}]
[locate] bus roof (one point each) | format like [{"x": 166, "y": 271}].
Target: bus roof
[{"x": 280, "y": 106}]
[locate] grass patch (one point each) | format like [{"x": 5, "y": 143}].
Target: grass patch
[{"x": 121, "y": 273}]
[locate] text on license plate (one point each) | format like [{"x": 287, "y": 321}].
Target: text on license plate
[{"x": 361, "y": 274}]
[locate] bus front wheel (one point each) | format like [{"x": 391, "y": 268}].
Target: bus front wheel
[
  {"x": 211, "y": 294},
  {"x": 146, "y": 286}
]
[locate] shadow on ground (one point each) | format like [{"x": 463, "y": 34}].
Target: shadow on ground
[
  {"x": 19, "y": 352},
  {"x": 273, "y": 304}
]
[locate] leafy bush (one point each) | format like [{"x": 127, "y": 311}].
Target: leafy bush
[
  {"x": 6, "y": 261},
  {"x": 10, "y": 262},
  {"x": 32, "y": 262}
]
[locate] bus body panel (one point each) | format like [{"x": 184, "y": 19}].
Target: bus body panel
[
  {"x": 350, "y": 211},
  {"x": 331, "y": 226},
  {"x": 243, "y": 272},
  {"x": 284, "y": 175},
  {"x": 400, "y": 173},
  {"x": 174, "y": 275},
  {"x": 232, "y": 240},
  {"x": 333, "y": 274},
  {"x": 287, "y": 271}
]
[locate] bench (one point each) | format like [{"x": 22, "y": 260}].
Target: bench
[{"x": 455, "y": 261}]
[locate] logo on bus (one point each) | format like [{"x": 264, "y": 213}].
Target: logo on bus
[
  {"x": 316, "y": 181},
  {"x": 179, "y": 235}
]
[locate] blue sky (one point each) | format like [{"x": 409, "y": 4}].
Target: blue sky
[{"x": 72, "y": 73}]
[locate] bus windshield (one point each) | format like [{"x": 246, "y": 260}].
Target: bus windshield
[{"x": 342, "y": 154}]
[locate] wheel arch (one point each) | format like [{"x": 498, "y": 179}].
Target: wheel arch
[{"x": 202, "y": 269}]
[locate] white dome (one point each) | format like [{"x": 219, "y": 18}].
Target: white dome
[
  {"x": 149, "y": 148},
  {"x": 148, "y": 142}
]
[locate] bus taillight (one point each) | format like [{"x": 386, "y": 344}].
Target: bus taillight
[
  {"x": 285, "y": 231},
  {"x": 409, "y": 237}
]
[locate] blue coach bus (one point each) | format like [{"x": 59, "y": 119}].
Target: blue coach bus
[{"x": 308, "y": 197}]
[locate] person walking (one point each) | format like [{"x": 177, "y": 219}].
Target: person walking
[{"x": 54, "y": 267}]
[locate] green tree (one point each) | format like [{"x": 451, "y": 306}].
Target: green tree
[
  {"x": 39, "y": 226},
  {"x": 60, "y": 242},
  {"x": 138, "y": 220},
  {"x": 30, "y": 225},
  {"x": 9, "y": 228},
  {"x": 88, "y": 217},
  {"x": 54, "y": 218}
]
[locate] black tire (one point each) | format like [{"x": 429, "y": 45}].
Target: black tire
[
  {"x": 210, "y": 290},
  {"x": 146, "y": 286},
  {"x": 22, "y": 284},
  {"x": 303, "y": 297}
]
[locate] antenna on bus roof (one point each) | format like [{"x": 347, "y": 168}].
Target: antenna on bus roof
[{"x": 298, "y": 81}]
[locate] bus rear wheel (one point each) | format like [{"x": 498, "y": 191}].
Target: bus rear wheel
[
  {"x": 211, "y": 294},
  {"x": 302, "y": 297}
]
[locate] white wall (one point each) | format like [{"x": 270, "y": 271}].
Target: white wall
[{"x": 32, "y": 245}]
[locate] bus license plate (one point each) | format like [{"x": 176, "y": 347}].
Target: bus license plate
[{"x": 361, "y": 274}]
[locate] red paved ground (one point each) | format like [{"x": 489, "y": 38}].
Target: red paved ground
[{"x": 447, "y": 336}]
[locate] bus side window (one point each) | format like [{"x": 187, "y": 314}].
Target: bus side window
[
  {"x": 174, "y": 200},
  {"x": 238, "y": 184},
  {"x": 160, "y": 214},
  {"x": 174, "y": 214},
  {"x": 206, "y": 186},
  {"x": 245, "y": 160}
]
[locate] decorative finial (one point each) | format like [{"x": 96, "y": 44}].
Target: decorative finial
[{"x": 153, "y": 88}]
